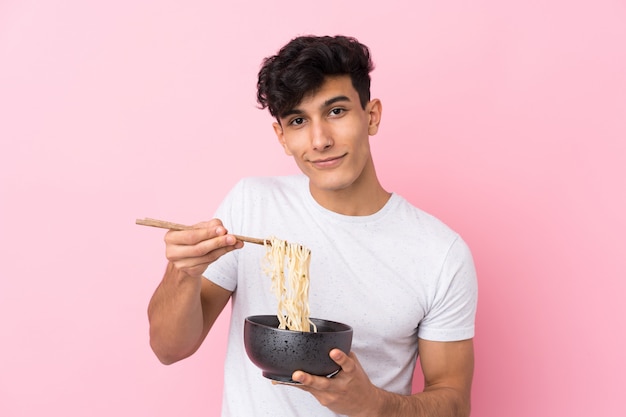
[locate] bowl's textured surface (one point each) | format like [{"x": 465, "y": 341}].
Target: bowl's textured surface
[{"x": 280, "y": 352}]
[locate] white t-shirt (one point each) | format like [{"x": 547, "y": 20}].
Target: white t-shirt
[{"x": 394, "y": 276}]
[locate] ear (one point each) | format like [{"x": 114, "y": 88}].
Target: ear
[
  {"x": 374, "y": 111},
  {"x": 278, "y": 130}
]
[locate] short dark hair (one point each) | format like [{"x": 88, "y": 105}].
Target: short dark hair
[{"x": 301, "y": 66}]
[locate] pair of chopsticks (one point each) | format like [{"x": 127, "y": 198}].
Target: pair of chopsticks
[{"x": 176, "y": 226}]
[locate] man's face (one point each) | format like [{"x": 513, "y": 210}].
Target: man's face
[{"x": 327, "y": 134}]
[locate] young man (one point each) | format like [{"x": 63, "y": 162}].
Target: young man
[{"x": 403, "y": 280}]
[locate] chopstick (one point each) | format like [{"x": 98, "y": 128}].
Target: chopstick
[{"x": 162, "y": 224}]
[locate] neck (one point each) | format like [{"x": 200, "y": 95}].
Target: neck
[{"x": 364, "y": 197}]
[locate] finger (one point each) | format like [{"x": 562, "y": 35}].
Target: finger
[
  {"x": 196, "y": 266},
  {"x": 184, "y": 259},
  {"x": 302, "y": 377},
  {"x": 347, "y": 363},
  {"x": 310, "y": 383},
  {"x": 205, "y": 250},
  {"x": 201, "y": 231}
]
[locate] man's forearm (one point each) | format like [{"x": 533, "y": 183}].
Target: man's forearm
[
  {"x": 435, "y": 402},
  {"x": 175, "y": 315}
]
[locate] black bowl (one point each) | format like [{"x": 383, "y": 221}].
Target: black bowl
[{"x": 280, "y": 352}]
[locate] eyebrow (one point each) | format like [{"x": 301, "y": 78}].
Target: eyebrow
[{"x": 327, "y": 103}]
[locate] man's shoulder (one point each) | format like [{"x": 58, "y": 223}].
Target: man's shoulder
[
  {"x": 409, "y": 209},
  {"x": 416, "y": 221}
]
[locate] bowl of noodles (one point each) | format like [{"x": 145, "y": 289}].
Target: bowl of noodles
[
  {"x": 291, "y": 340},
  {"x": 280, "y": 352}
]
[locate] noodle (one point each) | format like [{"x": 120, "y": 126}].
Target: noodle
[{"x": 291, "y": 291}]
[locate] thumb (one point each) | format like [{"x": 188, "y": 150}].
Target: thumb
[{"x": 341, "y": 359}]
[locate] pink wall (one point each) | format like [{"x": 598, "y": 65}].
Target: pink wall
[{"x": 507, "y": 121}]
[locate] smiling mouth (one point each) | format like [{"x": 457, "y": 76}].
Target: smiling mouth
[{"x": 328, "y": 162}]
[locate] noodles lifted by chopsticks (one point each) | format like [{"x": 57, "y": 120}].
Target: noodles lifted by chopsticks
[{"x": 292, "y": 291}]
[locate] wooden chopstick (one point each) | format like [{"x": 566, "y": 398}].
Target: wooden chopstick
[{"x": 162, "y": 224}]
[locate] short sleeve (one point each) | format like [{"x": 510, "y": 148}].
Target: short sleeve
[{"x": 451, "y": 315}]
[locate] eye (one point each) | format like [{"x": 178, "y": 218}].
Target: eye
[
  {"x": 297, "y": 121},
  {"x": 337, "y": 111}
]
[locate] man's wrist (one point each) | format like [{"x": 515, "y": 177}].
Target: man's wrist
[{"x": 382, "y": 403}]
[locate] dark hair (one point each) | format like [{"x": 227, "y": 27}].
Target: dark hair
[{"x": 301, "y": 66}]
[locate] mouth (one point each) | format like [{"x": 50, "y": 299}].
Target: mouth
[{"x": 329, "y": 162}]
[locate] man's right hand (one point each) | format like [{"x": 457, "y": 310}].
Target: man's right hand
[
  {"x": 184, "y": 306},
  {"x": 191, "y": 251}
]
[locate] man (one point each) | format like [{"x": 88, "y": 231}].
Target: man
[{"x": 401, "y": 278}]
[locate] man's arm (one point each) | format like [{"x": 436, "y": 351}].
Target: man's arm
[
  {"x": 185, "y": 305},
  {"x": 448, "y": 369},
  {"x": 180, "y": 317}
]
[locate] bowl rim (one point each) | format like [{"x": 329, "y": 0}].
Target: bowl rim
[{"x": 345, "y": 328}]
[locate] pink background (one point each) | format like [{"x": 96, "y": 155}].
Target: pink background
[{"x": 508, "y": 121}]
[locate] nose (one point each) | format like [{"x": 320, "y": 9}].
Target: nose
[{"x": 321, "y": 138}]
